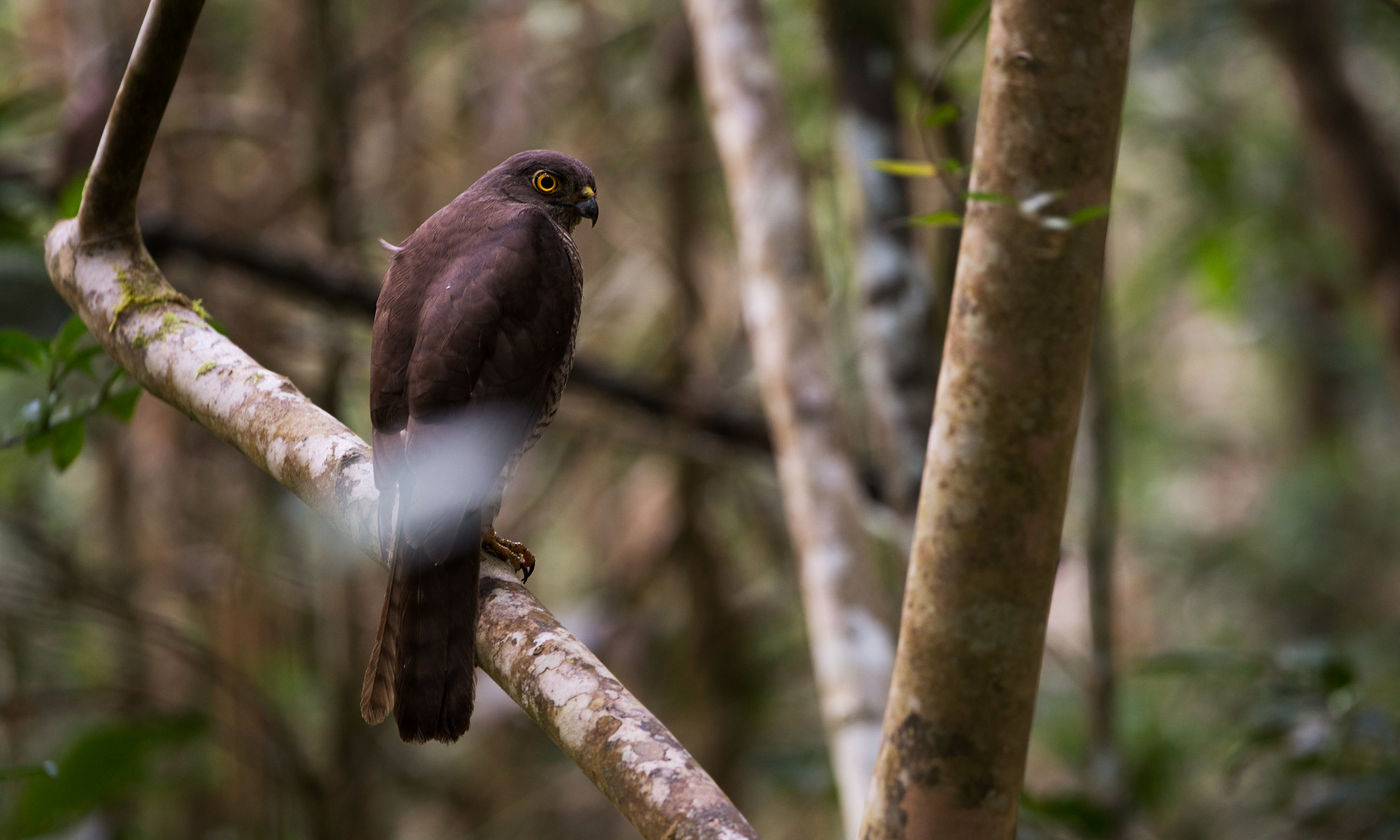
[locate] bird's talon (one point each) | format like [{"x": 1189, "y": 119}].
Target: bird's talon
[{"x": 515, "y": 553}]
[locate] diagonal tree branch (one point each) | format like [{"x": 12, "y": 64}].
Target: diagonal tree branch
[
  {"x": 101, "y": 267},
  {"x": 161, "y": 340}
]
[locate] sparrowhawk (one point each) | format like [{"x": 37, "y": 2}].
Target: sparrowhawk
[{"x": 473, "y": 341}]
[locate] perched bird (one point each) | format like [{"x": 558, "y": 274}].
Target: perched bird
[{"x": 473, "y": 341}]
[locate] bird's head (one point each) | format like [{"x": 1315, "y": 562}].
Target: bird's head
[{"x": 561, "y": 184}]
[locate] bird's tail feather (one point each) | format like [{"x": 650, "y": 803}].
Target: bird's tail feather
[
  {"x": 423, "y": 664},
  {"x": 377, "y": 693},
  {"x": 436, "y": 683}
]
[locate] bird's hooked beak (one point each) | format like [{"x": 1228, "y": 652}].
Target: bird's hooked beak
[{"x": 588, "y": 208}]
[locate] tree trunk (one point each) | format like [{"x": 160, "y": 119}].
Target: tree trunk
[
  {"x": 783, "y": 313},
  {"x": 895, "y": 318},
  {"x": 1354, "y": 167},
  {"x": 987, "y": 536}
]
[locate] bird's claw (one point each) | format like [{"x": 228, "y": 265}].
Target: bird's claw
[{"x": 514, "y": 553}]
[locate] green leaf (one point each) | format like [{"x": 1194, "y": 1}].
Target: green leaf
[
  {"x": 100, "y": 767},
  {"x": 26, "y": 771},
  {"x": 957, "y": 14},
  {"x": 20, "y": 349},
  {"x": 82, "y": 360},
  {"x": 67, "y": 442},
  {"x": 952, "y": 166},
  {"x": 942, "y": 218},
  {"x": 906, "y": 168},
  {"x": 1217, "y": 271},
  {"x": 71, "y": 198},
  {"x": 1087, "y": 214},
  {"x": 1079, "y": 813},
  {"x": 68, "y": 337},
  {"x": 990, "y": 197},
  {"x": 122, "y": 404},
  {"x": 941, "y": 114},
  {"x": 37, "y": 442}
]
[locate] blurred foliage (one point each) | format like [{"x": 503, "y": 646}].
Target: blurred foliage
[
  {"x": 101, "y": 767},
  {"x": 56, "y": 418},
  {"x": 181, "y": 642}
]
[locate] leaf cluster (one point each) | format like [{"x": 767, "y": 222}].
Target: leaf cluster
[{"x": 71, "y": 385}]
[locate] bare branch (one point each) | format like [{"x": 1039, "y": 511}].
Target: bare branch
[
  {"x": 987, "y": 537},
  {"x": 162, "y": 341},
  {"x": 625, "y": 751},
  {"x": 783, "y": 312},
  {"x": 109, "y": 198}
]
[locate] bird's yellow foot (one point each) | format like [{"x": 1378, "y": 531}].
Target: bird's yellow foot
[{"x": 514, "y": 553}]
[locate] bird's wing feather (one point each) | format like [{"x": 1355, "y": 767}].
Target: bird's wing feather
[
  {"x": 477, "y": 313},
  {"x": 509, "y": 325}
]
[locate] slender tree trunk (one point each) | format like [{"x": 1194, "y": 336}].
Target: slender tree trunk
[
  {"x": 718, "y": 632},
  {"x": 895, "y": 324},
  {"x": 992, "y": 505},
  {"x": 784, "y": 317},
  {"x": 1355, "y": 167},
  {"x": 1105, "y": 758}
]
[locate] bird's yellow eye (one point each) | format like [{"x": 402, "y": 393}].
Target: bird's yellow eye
[{"x": 545, "y": 181}]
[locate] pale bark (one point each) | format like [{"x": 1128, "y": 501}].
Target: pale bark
[
  {"x": 783, "y": 313},
  {"x": 992, "y": 505},
  {"x": 899, "y": 339},
  {"x": 100, "y": 266}
]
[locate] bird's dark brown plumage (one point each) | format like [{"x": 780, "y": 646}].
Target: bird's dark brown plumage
[{"x": 473, "y": 342}]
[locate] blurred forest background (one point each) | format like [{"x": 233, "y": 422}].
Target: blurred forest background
[{"x": 185, "y": 641}]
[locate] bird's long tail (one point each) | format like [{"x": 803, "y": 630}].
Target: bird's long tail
[{"x": 423, "y": 664}]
